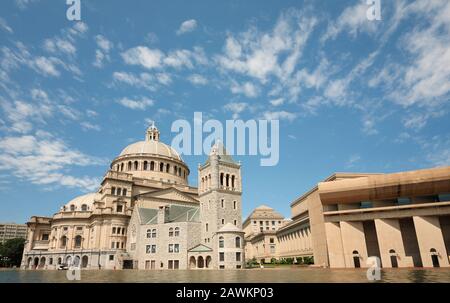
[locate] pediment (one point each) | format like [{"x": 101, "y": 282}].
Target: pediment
[
  {"x": 200, "y": 248},
  {"x": 169, "y": 194}
]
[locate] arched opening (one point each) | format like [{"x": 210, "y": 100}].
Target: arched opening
[
  {"x": 84, "y": 207},
  {"x": 145, "y": 165},
  {"x": 152, "y": 165},
  {"x": 179, "y": 171},
  {"x": 221, "y": 179},
  {"x": 42, "y": 262},
  {"x": 69, "y": 260},
  {"x": 161, "y": 166},
  {"x": 167, "y": 168},
  {"x": 29, "y": 262},
  {"x": 59, "y": 261},
  {"x": 136, "y": 165},
  {"x": 192, "y": 263},
  {"x": 434, "y": 257},
  {"x": 177, "y": 231},
  {"x": 232, "y": 181},
  {"x": 72, "y": 207},
  {"x": 221, "y": 242},
  {"x": 36, "y": 263},
  {"x": 78, "y": 240},
  {"x": 200, "y": 262},
  {"x": 227, "y": 179},
  {"x": 238, "y": 242},
  {"x": 175, "y": 170},
  {"x": 76, "y": 261},
  {"x": 129, "y": 165},
  {"x": 63, "y": 243},
  {"x": 171, "y": 232},
  {"x": 121, "y": 167},
  {"x": 84, "y": 261},
  {"x": 356, "y": 261},
  {"x": 208, "y": 262},
  {"x": 393, "y": 256}
]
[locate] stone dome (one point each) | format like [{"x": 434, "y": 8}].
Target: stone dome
[
  {"x": 78, "y": 202},
  {"x": 151, "y": 146}
]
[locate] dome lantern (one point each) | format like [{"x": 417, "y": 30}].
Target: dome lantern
[{"x": 152, "y": 133}]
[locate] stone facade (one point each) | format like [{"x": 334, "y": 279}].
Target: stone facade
[
  {"x": 402, "y": 218},
  {"x": 146, "y": 216}
]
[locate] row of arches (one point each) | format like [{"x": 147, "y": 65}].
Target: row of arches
[
  {"x": 226, "y": 181},
  {"x": 393, "y": 256},
  {"x": 43, "y": 262},
  {"x": 200, "y": 262},
  {"x": 151, "y": 166}
]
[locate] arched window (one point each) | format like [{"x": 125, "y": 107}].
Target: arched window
[
  {"x": 234, "y": 204},
  {"x": 238, "y": 242},
  {"x": 232, "y": 181},
  {"x": 124, "y": 192},
  {"x": 161, "y": 166},
  {"x": 121, "y": 167},
  {"x": 136, "y": 165},
  {"x": 145, "y": 165},
  {"x": 78, "y": 241},
  {"x": 152, "y": 165},
  {"x": 179, "y": 171},
  {"x": 221, "y": 179},
  {"x": 72, "y": 207},
  {"x": 63, "y": 241},
  {"x": 119, "y": 191},
  {"x": 149, "y": 233},
  {"x": 175, "y": 170},
  {"x": 153, "y": 233},
  {"x": 177, "y": 231},
  {"x": 227, "y": 180},
  {"x": 84, "y": 207},
  {"x": 221, "y": 242},
  {"x": 129, "y": 165},
  {"x": 171, "y": 232},
  {"x": 167, "y": 168}
]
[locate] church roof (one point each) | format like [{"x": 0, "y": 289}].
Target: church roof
[
  {"x": 229, "y": 228},
  {"x": 200, "y": 248},
  {"x": 220, "y": 150},
  {"x": 176, "y": 213}
]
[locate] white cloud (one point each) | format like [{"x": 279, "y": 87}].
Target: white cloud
[
  {"x": 46, "y": 66},
  {"x": 279, "y": 115},
  {"x": 141, "y": 104},
  {"x": 4, "y": 25},
  {"x": 59, "y": 45},
  {"x": 144, "y": 80},
  {"x": 142, "y": 55},
  {"x": 277, "y": 102},
  {"x": 197, "y": 79},
  {"x": 44, "y": 160},
  {"x": 187, "y": 26},
  {"x": 102, "y": 53},
  {"x": 236, "y": 108},
  {"x": 248, "y": 89},
  {"x": 353, "y": 20}
]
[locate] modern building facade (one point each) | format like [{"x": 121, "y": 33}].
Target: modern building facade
[
  {"x": 10, "y": 231},
  {"x": 145, "y": 215},
  {"x": 402, "y": 218}
]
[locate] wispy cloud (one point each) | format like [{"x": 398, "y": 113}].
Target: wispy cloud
[
  {"x": 140, "y": 104},
  {"x": 187, "y": 26}
]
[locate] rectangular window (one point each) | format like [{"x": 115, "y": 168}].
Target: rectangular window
[
  {"x": 222, "y": 267},
  {"x": 124, "y": 192},
  {"x": 153, "y": 249},
  {"x": 148, "y": 249},
  {"x": 221, "y": 256},
  {"x": 222, "y": 203},
  {"x": 238, "y": 257},
  {"x": 170, "y": 264},
  {"x": 119, "y": 208},
  {"x": 273, "y": 222},
  {"x": 113, "y": 190},
  {"x": 176, "y": 264},
  {"x": 111, "y": 257},
  {"x": 238, "y": 266},
  {"x": 45, "y": 237},
  {"x": 272, "y": 240},
  {"x": 171, "y": 248},
  {"x": 223, "y": 221},
  {"x": 176, "y": 248}
]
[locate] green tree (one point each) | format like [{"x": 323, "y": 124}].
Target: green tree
[{"x": 12, "y": 249}]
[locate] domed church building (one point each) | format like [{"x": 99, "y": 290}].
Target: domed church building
[{"x": 145, "y": 215}]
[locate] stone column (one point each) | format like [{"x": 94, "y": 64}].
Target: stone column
[
  {"x": 353, "y": 238},
  {"x": 390, "y": 237},
  {"x": 429, "y": 236},
  {"x": 334, "y": 244}
]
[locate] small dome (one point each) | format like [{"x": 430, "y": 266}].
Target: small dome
[
  {"x": 151, "y": 147},
  {"x": 79, "y": 201}
]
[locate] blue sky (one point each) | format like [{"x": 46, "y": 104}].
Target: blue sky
[{"x": 351, "y": 94}]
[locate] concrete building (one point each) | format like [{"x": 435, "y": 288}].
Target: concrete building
[
  {"x": 402, "y": 218},
  {"x": 11, "y": 231},
  {"x": 145, "y": 215}
]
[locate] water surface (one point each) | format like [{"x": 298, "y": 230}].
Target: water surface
[{"x": 296, "y": 275}]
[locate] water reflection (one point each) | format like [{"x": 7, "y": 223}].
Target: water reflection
[{"x": 296, "y": 275}]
